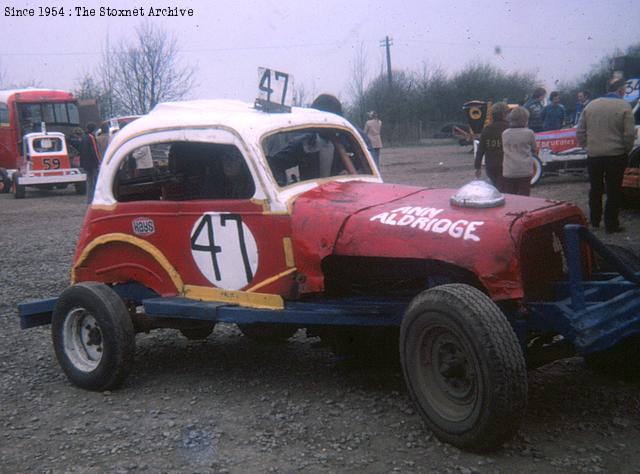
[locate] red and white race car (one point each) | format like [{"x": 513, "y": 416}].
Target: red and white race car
[
  {"x": 276, "y": 218},
  {"x": 558, "y": 152},
  {"x": 45, "y": 164}
]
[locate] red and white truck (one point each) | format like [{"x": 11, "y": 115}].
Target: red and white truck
[{"x": 34, "y": 124}]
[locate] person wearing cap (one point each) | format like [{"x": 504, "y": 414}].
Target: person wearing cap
[
  {"x": 372, "y": 128},
  {"x": 606, "y": 130}
]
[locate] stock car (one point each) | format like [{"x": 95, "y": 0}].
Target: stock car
[
  {"x": 277, "y": 219},
  {"x": 45, "y": 163}
]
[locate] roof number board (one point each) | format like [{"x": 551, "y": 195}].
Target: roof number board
[{"x": 274, "y": 90}]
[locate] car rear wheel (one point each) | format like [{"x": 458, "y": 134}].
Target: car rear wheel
[
  {"x": 537, "y": 171},
  {"x": 463, "y": 367},
  {"x": 81, "y": 188},
  {"x": 93, "y": 336}
]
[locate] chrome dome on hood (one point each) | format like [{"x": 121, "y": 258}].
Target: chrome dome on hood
[{"x": 477, "y": 193}]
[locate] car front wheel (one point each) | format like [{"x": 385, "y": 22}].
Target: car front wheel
[{"x": 463, "y": 367}]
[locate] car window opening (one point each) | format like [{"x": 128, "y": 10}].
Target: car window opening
[
  {"x": 313, "y": 153},
  {"x": 183, "y": 171}
]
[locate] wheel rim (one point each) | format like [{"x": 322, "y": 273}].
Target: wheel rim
[
  {"x": 448, "y": 374},
  {"x": 83, "y": 342}
]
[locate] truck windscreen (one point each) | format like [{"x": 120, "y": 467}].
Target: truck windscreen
[{"x": 63, "y": 113}]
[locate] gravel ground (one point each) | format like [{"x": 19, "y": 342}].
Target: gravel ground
[{"x": 228, "y": 404}]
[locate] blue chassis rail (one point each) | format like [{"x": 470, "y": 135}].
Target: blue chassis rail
[
  {"x": 594, "y": 315},
  {"x": 325, "y": 312}
]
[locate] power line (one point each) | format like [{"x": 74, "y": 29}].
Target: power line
[{"x": 197, "y": 50}]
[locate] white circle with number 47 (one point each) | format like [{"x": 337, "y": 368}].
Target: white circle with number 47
[{"x": 224, "y": 250}]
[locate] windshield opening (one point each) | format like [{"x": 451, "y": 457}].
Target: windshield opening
[
  {"x": 314, "y": 153},
  {"x": 60, "y": 113}
]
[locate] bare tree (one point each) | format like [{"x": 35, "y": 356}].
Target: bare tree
[
  {"x": 140, "y": 75},
  {"x": 357, "y": 83},
  {"x": 301, "y": 96},
  {"x": 107, "y": 75}
]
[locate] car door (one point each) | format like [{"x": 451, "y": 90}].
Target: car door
[{"x": 231, "y": 243}]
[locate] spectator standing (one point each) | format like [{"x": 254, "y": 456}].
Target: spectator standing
[
  {"x": 90, "y": 159},
  {"x": 535, "y": 106},
  {"x": 372, "y": 128},
  {"x": 606, "y": 129},
  {"x": 553, "y": 114},
  {"x": 519, "y": 146},
  {"x": 490, "y": 145},
  {"x": 583, "y": 100}
]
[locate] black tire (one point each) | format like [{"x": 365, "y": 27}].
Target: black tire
[
  {"x": 265, "y": 332},
  {"x": 463, "y": 367},
  {"x": 18, "y": 189},
  {"x": 93, "y": 336},
  {"x": 81, "y": 188},
  {"x": 197, "y": 333},
  {"x": 537, "y": 171}
]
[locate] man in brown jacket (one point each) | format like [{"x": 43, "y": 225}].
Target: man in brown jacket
[{"x": 607, "y": 131}]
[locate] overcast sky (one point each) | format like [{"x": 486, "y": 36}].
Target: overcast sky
[{"x": 316, "y": 41}]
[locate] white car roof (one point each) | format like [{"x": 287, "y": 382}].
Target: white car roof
[{"x": 242, "y": 117}]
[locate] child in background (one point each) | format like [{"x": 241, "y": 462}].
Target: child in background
[{"x": 519, "y": 147}]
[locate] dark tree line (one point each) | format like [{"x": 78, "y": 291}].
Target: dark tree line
[
  {"x": 421, "y": 100},
  {"x": 416, "y": 103}
]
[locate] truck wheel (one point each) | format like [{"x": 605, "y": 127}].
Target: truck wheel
[
  {"x": 197, "y": 333},
  {"x": 265, "y": 332},
  {"x": 463, "y": 367},
  {"x": 18, "y": 189},
  {"x": 81, "y": 188},
  {"x": 537, "y": 171},
  {"x": 93, "y": 336}
]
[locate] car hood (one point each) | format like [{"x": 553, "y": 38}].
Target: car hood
[{"x": 396, "y": 221}]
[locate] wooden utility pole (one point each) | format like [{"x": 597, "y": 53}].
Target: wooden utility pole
[{"x": 386, "y": 42}]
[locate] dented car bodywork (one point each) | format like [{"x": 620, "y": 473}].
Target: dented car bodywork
[{"x": 215, "y": 211}]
